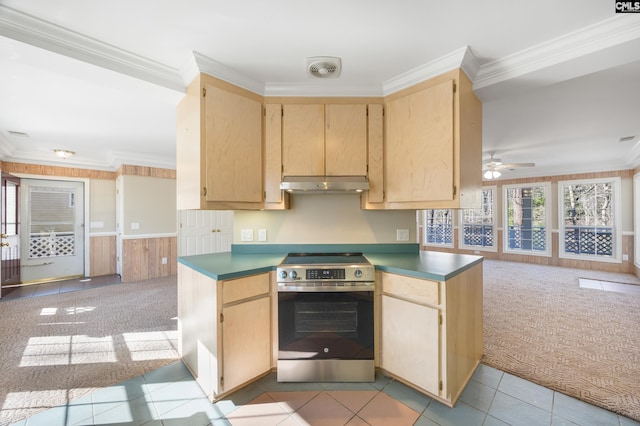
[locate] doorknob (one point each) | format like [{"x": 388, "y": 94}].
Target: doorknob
[
  {"x": 4, "y": 244},
  {"x": 3, "y": 235}
]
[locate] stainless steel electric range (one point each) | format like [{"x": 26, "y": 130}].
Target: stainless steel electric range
[{"x": 325, "y": 318}]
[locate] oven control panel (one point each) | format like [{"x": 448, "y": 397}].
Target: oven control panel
[{"x": 324, "y": 275}]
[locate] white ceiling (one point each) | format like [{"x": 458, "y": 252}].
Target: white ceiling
[{"x": 558, "y": 80}]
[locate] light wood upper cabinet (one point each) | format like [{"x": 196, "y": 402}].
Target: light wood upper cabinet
[
  {"x": 233, "y": 133},
  {"x": 346, "y": 140},
  {"x": 303, "y": 140},
  {"x": 319, "y": 139},
  {"x": 219, "y": 162},
  {"x": 432, "y": 146},
  {"x": 419, "y": 155}
]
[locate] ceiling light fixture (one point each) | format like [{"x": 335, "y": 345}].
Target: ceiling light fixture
[
  {"x": 492, "y": 174},
  {"x": 64, "y": 153}
]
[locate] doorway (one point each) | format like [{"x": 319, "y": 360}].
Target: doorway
[
  {"x": 10, "y": 232},
  {"x": 52, "y": 237}
]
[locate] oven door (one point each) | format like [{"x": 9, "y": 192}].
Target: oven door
[{"x": 325, "y": 336}]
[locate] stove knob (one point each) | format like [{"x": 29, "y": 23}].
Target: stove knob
[
  {"x": 358, "y": 273},
  {"x": 293, "y": 274},
  {"x": 283, "y": 274}
]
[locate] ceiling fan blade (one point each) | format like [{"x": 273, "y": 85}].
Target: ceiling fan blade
[{"x": 515, "y": 165}]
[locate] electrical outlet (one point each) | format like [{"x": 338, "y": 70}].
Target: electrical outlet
[
  {"x": 246, "y": 235},
  {"x": 164, "y": 260},
  {"x": 625, "y": 257},
  {"x": 135, "y": 225},
  {"x": 402, "y": 235},
  {"x": 262, "y": 235}
]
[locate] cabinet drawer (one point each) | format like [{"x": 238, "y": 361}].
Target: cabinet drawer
[
  {"x": 414, "y": 289},
  {"x": 244, "y": 288}
]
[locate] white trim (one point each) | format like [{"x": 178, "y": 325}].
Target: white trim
[
  {"x": 636, "y": 219},
  {"x": 37, "y": 32},
  {"x": 103, "y": 234},
  {"x": 461, "y": 58},
  {"x": 617, "y": 218},
  {"x": 594, "y": 38},
  {"x": 144, "y": 236},
  {"x": 547, "y": 213}
]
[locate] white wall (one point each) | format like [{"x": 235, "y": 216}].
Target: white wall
[{"x": 325, "y": 219}]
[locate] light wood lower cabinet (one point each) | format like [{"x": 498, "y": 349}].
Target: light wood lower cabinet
[
  {"x": 431, "y": 331},
  {"x": 224, "y": 329}
]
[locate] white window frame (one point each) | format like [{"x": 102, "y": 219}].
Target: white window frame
[
  {"x": 547, "y": 217},
  {"x": 494, "y": 209},
  {"x": 617, "y": 218},
  {"x": 424, "y": 227}
]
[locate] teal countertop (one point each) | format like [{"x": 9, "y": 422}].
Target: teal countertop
[{"x": 406, "y": 259}]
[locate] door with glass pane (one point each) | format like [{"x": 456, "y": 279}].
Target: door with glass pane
[
  {"x": 52, "y": 230},
  {"x": 10, "y": 230}
]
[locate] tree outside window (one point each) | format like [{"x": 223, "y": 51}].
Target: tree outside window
[
  {"x": 587, "y": 218},
  {"x": 527, "y": 219},
  {"x": 478, "y": 225}
]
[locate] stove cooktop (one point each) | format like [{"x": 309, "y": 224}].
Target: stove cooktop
[{"x": 325, "y": 259}]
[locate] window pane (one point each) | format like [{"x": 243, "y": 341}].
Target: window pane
[
  {"x": 438, "y": 227},
  {"x": 526, "y": 217},
  {"x": 588, "y": 218},
  {"x": 478, "y": 224},
  {"x": 51, "y": 220}
]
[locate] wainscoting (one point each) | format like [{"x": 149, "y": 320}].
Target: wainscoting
[
  {"x": 142, "y": 258},
  {"x": 102, "y": 255}
]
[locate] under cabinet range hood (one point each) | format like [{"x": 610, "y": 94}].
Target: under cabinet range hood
[{"x": 324, "y": 184}]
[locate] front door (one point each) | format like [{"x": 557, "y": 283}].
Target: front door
[
  {"x": 53, "y": 230},
  {"x": 10, "y": 232}
]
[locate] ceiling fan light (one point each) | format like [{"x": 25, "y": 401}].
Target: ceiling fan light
[
  {"x": 492, "y": 174},
  {"x": 64, "y": 153}
]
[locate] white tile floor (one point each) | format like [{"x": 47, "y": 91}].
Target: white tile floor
[
  {"x": 170, "y": 396},
  {"x": 609, "y": 286}
]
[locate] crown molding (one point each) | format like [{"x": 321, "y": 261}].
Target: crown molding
[
  {"x": 319, "y": 89},
  {"x": 204, "y": 64},
  {"x": 461, "y": 58},
  {"x": 36, "y": 32},
  {"x": 594, "y": 38}
]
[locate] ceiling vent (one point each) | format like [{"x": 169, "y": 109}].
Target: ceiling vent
[{"x": 324, "y": 66}]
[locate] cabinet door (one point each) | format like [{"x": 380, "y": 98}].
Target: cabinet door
[
  {"x": 246, "y": 341},
  {"x": 233, "y": 132},
  {"x": 346, "y": 140},
  {"x": 419, "y": 151},
  {"x": 303, "y": 140},
  {"x": 410, "y": 346}
]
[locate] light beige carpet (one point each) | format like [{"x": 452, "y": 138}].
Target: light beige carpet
[
  {"x": 54, "y": 349},
  {"x": 539, "y": 325}
]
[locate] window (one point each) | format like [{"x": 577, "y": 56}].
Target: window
[
  {"x": 588, "y": 214},
  {"x": 527, "y": 219},
  {"x": 438, "y": 227},
  {"x": 478, "y": 225}
]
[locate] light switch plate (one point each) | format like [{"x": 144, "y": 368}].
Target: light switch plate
[
  {"x": 402, "y": 235},
  {"x": 262, "y": 235},
  {"x": 246, "y": 235}
]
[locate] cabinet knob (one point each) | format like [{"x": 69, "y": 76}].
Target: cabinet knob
[{"x": 4, "y": 244}]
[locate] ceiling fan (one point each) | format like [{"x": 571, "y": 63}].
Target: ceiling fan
[{"x": 492, "y": 166}]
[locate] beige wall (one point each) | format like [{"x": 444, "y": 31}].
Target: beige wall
[
  {"x": 326, "y": 219},
  {"x": 102, "y": 206},
  {"x": 149, "y": 202}
]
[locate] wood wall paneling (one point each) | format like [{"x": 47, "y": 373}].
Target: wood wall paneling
[
  {"x": 142, "y": 258},
  {"x": 103, "y": 255}
]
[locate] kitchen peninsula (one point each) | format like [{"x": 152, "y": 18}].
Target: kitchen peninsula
[{"x": 428, "y": 315}]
